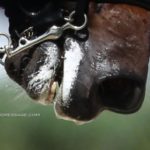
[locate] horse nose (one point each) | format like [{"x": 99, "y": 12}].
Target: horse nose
[{"x": 122, "y": 94}]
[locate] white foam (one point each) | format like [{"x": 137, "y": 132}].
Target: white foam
[
  {"x": 41, "y": 79},
  {"x": 73, "y": 56}
]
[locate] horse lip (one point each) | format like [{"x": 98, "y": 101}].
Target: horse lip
[
  {"x": 64, "y": 82},
  {"x": 60, "y": 115},
  {"x": 37, "y": 82},
  {"x": 73, "y": 56}
]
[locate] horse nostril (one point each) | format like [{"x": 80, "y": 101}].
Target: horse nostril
[{"x": 122, "y": 95}]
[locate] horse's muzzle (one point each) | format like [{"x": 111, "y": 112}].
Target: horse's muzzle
[
  {"x": 107, "y": 72},
  {"x": 88, "y": 85},
  {"x": 121, "y": 94},
  {"x": 102, "y": 84}
]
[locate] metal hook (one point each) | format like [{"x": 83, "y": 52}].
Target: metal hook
[
  {"x": 69, "y": 25},
  {"x": 3, "y": 49}
]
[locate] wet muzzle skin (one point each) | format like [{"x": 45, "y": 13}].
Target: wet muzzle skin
[
  {"x": 141, "y": 3},
  {"x": 102, "y": 67}
]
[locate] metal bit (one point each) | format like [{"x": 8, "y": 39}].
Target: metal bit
[
  {"x": 3, "y": 49},
  {"x": 53, "y": 33}
]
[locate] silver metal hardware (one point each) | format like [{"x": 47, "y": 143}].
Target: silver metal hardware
[
  {"x": 28, "y": 33},
  {"x": 53, "y": 33},
  {"x": 9, "y": 45}
]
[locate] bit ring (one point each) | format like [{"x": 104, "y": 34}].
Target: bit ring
[{"x": 3, "y": 50}]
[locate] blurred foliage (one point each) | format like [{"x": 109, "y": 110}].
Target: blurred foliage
[{"x": 110, "y": 131}]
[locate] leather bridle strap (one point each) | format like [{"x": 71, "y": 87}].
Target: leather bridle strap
[{"x": 141, "y": 3}]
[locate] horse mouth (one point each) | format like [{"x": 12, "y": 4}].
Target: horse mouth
[
  {"x": 46, "y": 96},
  {"x": 52, "y": 92},
  {"x": 41, "y": 76},
  {"x": 55, "y": 74}
]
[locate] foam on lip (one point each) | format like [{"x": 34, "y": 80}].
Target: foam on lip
[
  {"x": 40, "y": 81},
  {"x": 73, "y": 56}
]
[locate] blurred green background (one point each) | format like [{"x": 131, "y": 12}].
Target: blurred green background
[{"x": 109, "y": 131}]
